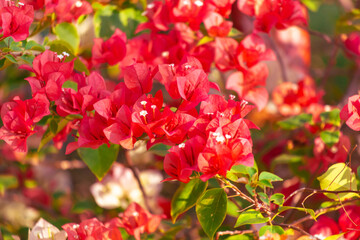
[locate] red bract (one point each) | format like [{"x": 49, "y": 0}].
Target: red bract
[
  {"x": 137, "y": 78},
  {"x": 15, "y": 20},
  {"x": 352, "y": 43},
  {"x": 223, "y": 7},
  {"x": 70, "y": 102},
  {"x": 249, "y": 85},
  {"x": 181, "y": 160},
  {"x": 158, "y": 15},
  {"x": 350, "y": 113},
  {"x": 19, "y": 118},
  {"x": 324, "y": 227},
  {"x": 190, "y": 11},
  {"x": 91, "y": 229},
  {"x": 216, "y": 26},
  {"x": 177, "y": 126},
  {"x": 274, "y": 13},
  {"x": 253, "y": 50},
  {"x": 67, "y": 10},
  {"x": 350, "y": 222},
  {"x": 111, "y": 51},
  {"x": 225, "y": 53},
  {"x": 137, "y": 221},
  {"x": 51, "y": 73},
  {"x": 292, "y": 98}
]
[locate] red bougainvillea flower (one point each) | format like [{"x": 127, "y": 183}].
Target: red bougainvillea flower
[
  {"x": 137, "y": 221},
  {"x": 292, "y": 98},
  {"x": 324, "y": 227},
  {"x": 326, "y": 156},
  {"x": 15, "y": 20},
  {"x": 50, "y": 74},
  {"x": 67, "y": 10},
  {"x": 350, "y": 113},
  {"x": 352, "y": 43},
  {"x": 274, "y": 13},
  {"x": 137, "y": 78},
  {"x": 19, "y": 117},
  {"x": 91, "y": 229},
  {"x": 181, "y": 160},
  {"x": 352, "y": 227},
  {"x": 216, "y": 26},
  {"x": 249, "y": 85},
  {"x": 111, "y": 51},
  {"x": 223, "y": 7}
]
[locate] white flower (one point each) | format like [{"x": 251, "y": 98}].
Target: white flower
[{"x": 43, "y": 230}]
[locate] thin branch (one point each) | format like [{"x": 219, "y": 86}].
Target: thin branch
[
  {"x": 236, "y": 232},
  {"x": 237, "y": 190},
  {"x": 296, "y": 229}
]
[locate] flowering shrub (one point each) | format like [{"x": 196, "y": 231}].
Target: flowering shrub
[{"x": 179, "y": 119}]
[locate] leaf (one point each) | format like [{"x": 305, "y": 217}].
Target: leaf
[
  {"x": 269, "y": 176},
  {"x": 211, "y": 210},
  {"x": 332, "y": 117},
  {"x": 250, "y": 217},
  {"x": 312, "y": 5},
  {"x": 358, "y": 172},
  {"x": 68, "y": 33},
  {"x": 186, "y": 196},
  {"x": 272, "y": 229},
  {"x": 28, "y": 58},
  {"x": 295, "y": 122},
  {"x": 32, "y": 45},
  {"x": 70, "y": 84},
  {"x": 80, "y": 66},
  {"x": 49, "y": 135},
  {"x": 330, "y": 137},
  {"x": 306, "y": 210},
  {"x": 339, "y": 177},
  {"x": 160, "y": 149},
  {"x": 205, "y": 40},
  {"x": 264, "y": 197},
  {"x": 53, "y": 126},
  {"x": 10, "y": 58},
  {"x": 60, "y": 46},
  {"x": 277, "y": 198},
  {"x": 99, "y": 160},
  {"x": 335, "y": 237}
]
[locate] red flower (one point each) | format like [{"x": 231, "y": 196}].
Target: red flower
[
  {"x": 91, "y": 229},
  {"x": 137, "y": 220},
  {"x": 350, "y": 113},
  {"x": 324, "y": 227},
  {"x": 51, "y": 73},
  {"x": 111, "y": 51},
  {"x": 19, "y": 118},
  {"x": 137, "y": 78},
  {"x": 181, "y": 160},
  {"x": 352, "y": 227},
  {"x": 15, "y": 20},
  {"x": 68, "y": 10},
  {"x": 216, "y": 26}
]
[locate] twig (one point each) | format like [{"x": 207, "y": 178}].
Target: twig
[
  {"x": 136, "y": 175},
  {"x": 236, "y": 232},
  {"x": 237, "y": 190},
  {"x": 280, "y": 59},
  {"x": 297, "y": 229}
]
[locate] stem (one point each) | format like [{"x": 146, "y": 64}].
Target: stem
[
  {"x": 280, "y": 59},
  {"x": 136, "y": 175},
  {"x": 236, "y": 232},
  {"x": 237, "y": 190},
  {"x": 297, "y": 229}
]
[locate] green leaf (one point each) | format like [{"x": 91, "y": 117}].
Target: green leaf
[
  {"x": 332, "y": 117},
  {"x": 80, "y": 66},
  {"x": 205, "y": 40},
  {"x": 335, "y": 237},
  {"x": 10, "y": 58},
  {"x": 49, "y": 134},
  {"x": 295, "y": 122},
  {"x": 60, "y": 46},
  {"x": 269, "y": 176},
  {"x": 272, "y": 229},
  {"x": 250, "y": 217},
  {"x": 70, "y": 84},
  {"x": 99, "y": 160},
  {"x": 265, "y": 183},
  {"x": 186, "y": 196},
  {"x": 277, "y": 198},
  {"x": 306, "y": 210},
  {"x": 339, "y": 177},
  {"x": 80, "y": 207},
  {"x": 28, "y": 58},
  {"x": 330, "y": 137},
  {"x": 68, "y": 33},
  {"x": 211, "y": 210},
  {"x": 312, "y": 5},
  {"x": 53, "y": 126},
  {"x": 264, "y": 197},
  {"x": 15, "y": 47},
  {"x": 32, "y": 45},
  {"x": 358, "y": 172},
  {"x": 160, "y": 149}
]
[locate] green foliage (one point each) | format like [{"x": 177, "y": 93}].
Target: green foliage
[
  {"x": 250, "y": 216},
  {"x": 295, "y": 122},
  {"x": 312, "y": 5},
  {"x": 211, "y": 210},
  {"x": 6, "y": 182},
  {"x": 271, "y": 229},
  {"x": 330, "y": 137},
  {"x": 277, "y": 198},
  {"x": 335, "y": 237},
  {"x": 99, "y": 160},
  {"x": 160, "y": 149},
  {"x": 331, "y": 117},
  {"x": 186, "y": 196},
  {"x": 339, "y": 177},
  {"x": 67, "y": 32},
  {"x": 266, "y": 178},
  {"x": 306, "y": 210},
  {"x": 56, "y": 125}
]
